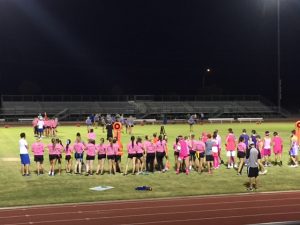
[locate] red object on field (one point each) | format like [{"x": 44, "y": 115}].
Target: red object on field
[
  {"x": 297, "y": 125},
  {"x": 6, "y": 126},
  {"x": 77, "y": 125}
]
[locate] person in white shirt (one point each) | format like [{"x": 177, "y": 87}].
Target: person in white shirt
[
  {"x": 25, "y": 160},
  {"x": 40, "y": 126}
]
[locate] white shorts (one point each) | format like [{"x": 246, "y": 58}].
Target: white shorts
[{"x": 230, "y": 153}]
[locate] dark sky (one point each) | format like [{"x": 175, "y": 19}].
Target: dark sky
[{"x": 148, "y": 47}]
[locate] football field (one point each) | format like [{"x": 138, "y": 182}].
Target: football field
[{"x": 16, "y": 190}]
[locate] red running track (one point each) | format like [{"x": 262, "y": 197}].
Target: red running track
[{"x": 238, "y": 209}]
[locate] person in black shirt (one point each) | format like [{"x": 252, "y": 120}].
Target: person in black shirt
[{"x": 109, "y": 129}]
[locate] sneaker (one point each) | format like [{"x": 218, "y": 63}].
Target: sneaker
[
  {"x": 235, "y": 166},
  {"x": 250, "y": 189},
  {"x": 187, "y": 172},
  {"x": 239, "y": 174},
  {"x": 177, "y": 172}
]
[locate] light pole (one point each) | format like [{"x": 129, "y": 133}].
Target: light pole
[
  {"x": 207, "y": 71},
  {"x": 278, "y": 57}
]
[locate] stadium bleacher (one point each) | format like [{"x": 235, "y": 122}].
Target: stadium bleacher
[{"x": 143, "y": 107}]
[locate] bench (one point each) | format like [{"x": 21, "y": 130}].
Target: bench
[
  {"x": 25, "y": 120},
  {"x": 250, "y": 120},
  {"x": 152, "y": 121},
  {"x": 211, "y": 120},
  {"x": 2, "y": 120}
]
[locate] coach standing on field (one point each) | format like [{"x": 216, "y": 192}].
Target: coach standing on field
[{"x": 253, "y": 156}]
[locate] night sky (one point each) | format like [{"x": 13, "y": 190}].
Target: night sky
[{"x": 148, "y": 47}]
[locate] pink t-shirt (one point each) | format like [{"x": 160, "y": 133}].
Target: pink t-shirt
[
  {"x": 204, "y": 137},
  {"x": 92, "y": 136},
  {"x": 241, "y": 147},
  {"x": 149, "y": 147},
  {"x": 192, "y": 144},
  {"x": 59, "y": 149},
  {"x": 110, "y": 150},
  {"x": 101, "y": 149},
  {"x": 277, "y": 143},
  {"x": 160, "y": 146},
  {"x": 139, "y": 148},
  {"x": 230, "y": 142},
  {"x": 90, "y": 149},
  {"x": 35, "y": 121},
  {"x": 175, "y": 147},
  {"x": 38, "y": 148},
  {"x": 52, "y": 150},
  {"x": 69, "y": 150},
  {"x": 200, "y": 146},
  {"x": 131, "y": 149},
  {"x": 116, "y": 148},
  {"x": 79, "y": 147},
  {"x": 184, "y": 151}
]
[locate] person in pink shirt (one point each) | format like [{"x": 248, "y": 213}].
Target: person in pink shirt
[
  {"x": 176, "y": 148},
  {"x": 200, "y": 153},
  {"x": 79, "y": 148},
  {"x": 118, "y": 155},
  {"x": 111, "y": 156},
  {"x": 52, "y": 156},
  {"x": 277, "y": 148},
  {"x": 183, "y": 155},
  {"x": 215, "y": 151},
  {"x": 131, "y": 149},
  {"x": 204, "y": 137},
  {"x": 47, "y": 126},
  {"x": 59, "y": 148},
  {"x": 101, "y": 150},
  {"x": 139, "y": 149},
  {"x": 267, "y": 148},
  {"x": 241, "y": 154},
  {"x": 160, "y": 153},
  {"x": 38, "y": 152},
  {"x": 91, "y": 135},
  {"x": 150, "y": 154},
  {"x": 192, "y": 150},
  {"x": 230, "y": 149},
  {"x": 90, "y": 157},
  {"x": 34, "y": 125},
  {"x": 68, "y": 157}
]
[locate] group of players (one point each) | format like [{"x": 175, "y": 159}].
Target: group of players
[{"x": 152, "y": 153}]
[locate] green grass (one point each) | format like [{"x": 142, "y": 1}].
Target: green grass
[{"x": 16, "y": 190}]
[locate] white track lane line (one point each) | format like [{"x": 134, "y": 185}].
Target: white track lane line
[
  {"x": 121, "y": 202},
  {"x": 160, "y": 214}
]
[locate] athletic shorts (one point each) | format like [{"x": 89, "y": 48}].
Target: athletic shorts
[
  {"x": 181, "y": 158},
  {"x": 230, "y": 153},
  {"x": 294, "y": 151},
  {"x": 241, "y": 155},
  {"x": 201, "y": 155},
  {"x": 267, "y": 151},
  {"x": 209, "y": 158},
  {"x": 90, "y": 157},
  {"x": 192, "y": 154},
  {"x": 78, "y": 156},
  {"x": 39, "y": 158},
  {"x": 25, "y": 159},
  {"x": 130, "y": 156},
  {"x": 40, "y": 130},
  {"x": 139, "y": 155},
  {"x": 118, "y": 158},
  {"x": 277, "y": 151},
  {"x": 176, "y": 153},
  {"x": 68, "y": 157},
  {"x": 52, "y": 157},
  {"x": 112, "y": 157},
  {"x": 101, "y": 156},
  {"x": 252, "y": 171}
]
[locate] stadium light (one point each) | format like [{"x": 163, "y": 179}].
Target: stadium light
[{"x": 207, "y": 71}]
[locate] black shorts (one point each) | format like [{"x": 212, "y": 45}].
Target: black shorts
[
  {"x": 39, "y": 158},
  {"x": 209, "y": 158},
  {"x": 176, "y": 153},
  {"x": 112, "y": 157},
  {"x": 241, "y": 155},
  {"x": 118, "y": 158},
  {"x": 139, "y": 155},
  {"x": 252, "y": 171},
  {"x": 90, "y": 157},
  {"x": 68, "y": 157},
  {"x": 130, "y": 156},
  {"x": 101, "y": 156},
  {"x": 201, "y": 155},
  {"x": 192, "y": 154},
  {"x": 52, "y": 157}
]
